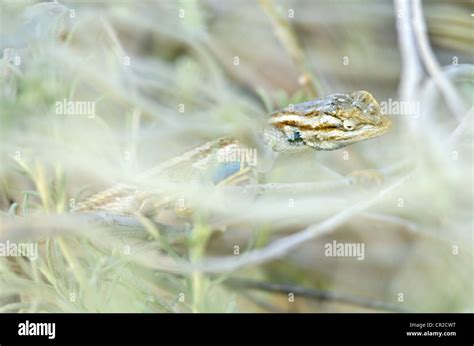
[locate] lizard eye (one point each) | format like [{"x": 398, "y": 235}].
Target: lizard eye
[
  {"x": 296, "y": 137},
  {"x": 349, "y": 124}
]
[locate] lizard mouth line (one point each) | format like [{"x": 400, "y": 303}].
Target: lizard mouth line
[
  {"x": 364, "y": 128},
  {"x": 321, "y": 128}
]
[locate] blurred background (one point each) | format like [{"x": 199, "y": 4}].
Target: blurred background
[{"x": 161, "y": 77}]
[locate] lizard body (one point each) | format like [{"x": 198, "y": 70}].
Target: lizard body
[{"x": 328, "y": 123}]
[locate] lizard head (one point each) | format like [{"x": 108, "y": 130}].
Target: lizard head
[{"x": 331, "y": 122}]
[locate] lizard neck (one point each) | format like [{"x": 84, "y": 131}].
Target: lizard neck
[
  {"x": 273, "y": 138},
  {"x": 277, "y": 140}
]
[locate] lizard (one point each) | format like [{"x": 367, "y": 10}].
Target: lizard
[{"x": 327, "y": 123}]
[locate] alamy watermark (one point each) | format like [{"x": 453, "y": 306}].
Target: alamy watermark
[
  {"x": 405, "y": 108},
  {"x": 11, "y": 249},
  {"x": 68, "y": 107},
  {"x": 336, "y": 249},
  {"x": 28, "y": 328},
  {"x": 236, "y": 154}
]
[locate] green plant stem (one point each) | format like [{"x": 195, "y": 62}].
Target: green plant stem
[{"x": 288, "y": 39}]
